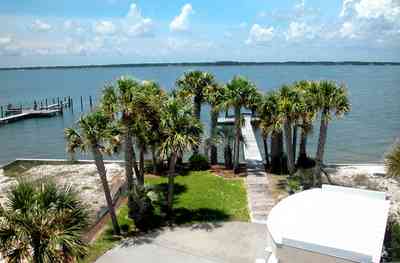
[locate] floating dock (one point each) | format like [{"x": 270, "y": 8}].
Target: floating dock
[{"x": 50, "y": 111}]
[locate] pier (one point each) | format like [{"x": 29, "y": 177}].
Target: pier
[
  {"x": 251, "y": 151},
  {"x": 259, "y": 195},
  {"x": 41, "y": 109},
  {"x": 26, "y": 114}
]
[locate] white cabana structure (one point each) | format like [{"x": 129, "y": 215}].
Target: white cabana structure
[{"x": 328, "y": 224}]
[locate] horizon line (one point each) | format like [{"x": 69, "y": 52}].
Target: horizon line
[{"x": 210, "y": 63}]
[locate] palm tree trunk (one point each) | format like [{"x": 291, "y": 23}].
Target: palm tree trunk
[
  {"x": 213, "y": 132},
  {"x": 154, "y": 158},
  {"x": 196, "y": 114},
  {"x": 303, "y": 143},
  {"x": 237, "y": 140},
  {"x": 303, "y": 158},
  {"x": 98, "y": 158},
  {"x": 171, "y": 175},
  {"x": 294, "y": 141},
  {"x": 266, "y": 154},
  {"x": 289, "y": 146},
  {"x": 128, "y": 148},
  {"x": 135, "y": 166},
  {"x": 228, "y": 156},
  {"x": 276, "y": 152},
  {"x": 141, "y": 164},
  {"x": 319, "y": 157}
]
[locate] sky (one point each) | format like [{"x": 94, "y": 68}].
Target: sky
[{"x": 76, "y": 32}]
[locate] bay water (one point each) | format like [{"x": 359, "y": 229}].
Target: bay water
[{"x": 362, "y": 136}]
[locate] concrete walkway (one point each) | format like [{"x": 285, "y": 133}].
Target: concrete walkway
[
  {"x": 229, "y": 242},
  {"x": 259, "y": 197}
]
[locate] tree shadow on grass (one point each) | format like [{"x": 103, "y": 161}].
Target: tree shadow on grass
[{"x": 184, "y": 215}]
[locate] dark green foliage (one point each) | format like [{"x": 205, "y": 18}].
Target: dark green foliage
[
  {"x": 392, "y": 161},
  {"x": 142, "y": 210},
  {"x": 392, "y": 242},
  {"x": 198, "y": 162},
  {"x": 42, "y": 222}
]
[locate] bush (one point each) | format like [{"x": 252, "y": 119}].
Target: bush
[
  {"x": 294, "y": 185},
  {"x": 392, "y": 242},
  {"x": 198, "y": 162},
  {"x": 143, "y": 210}
]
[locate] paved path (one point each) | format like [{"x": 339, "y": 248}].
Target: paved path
[
  {"x": 229, "y": 242},
  {"x": 259, "y": 197}
]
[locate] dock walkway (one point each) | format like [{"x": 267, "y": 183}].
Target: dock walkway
[
  {"x": 49, "y": 112},
  {"x": 259, "y": 196}
]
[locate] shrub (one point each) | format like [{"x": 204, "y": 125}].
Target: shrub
[
  {"x": 142, "y": 211},
  {"x": 294, "y": 185},
  {"x": 198, "y": 162},
  {"x": 392, "y": 242}
]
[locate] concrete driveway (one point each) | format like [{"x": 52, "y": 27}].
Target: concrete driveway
[{"x": 230, "y": 242}]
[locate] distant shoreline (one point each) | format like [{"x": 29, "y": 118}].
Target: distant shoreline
[{"x": 217, "y": 63}]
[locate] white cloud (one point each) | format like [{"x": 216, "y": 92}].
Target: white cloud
[
  {"x": 347, "y": 30},
  {"x": 105, "y": 28},
  {"x": 181, "y": 22},
  {"x": 137, "y": 24},
  {"x": 73, "y": 26},
  {"x": 5, "y": 41},
  {"x": 388, "y": 9},
  {"x": 260, "y": 35},
  {"x": 298, "y": 30},
  {"x": 40, "y": 26},
  {"x": 370, "y": 19}
]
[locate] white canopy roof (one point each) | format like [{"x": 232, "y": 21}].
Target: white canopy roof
[{"x": 338, "y": 221}]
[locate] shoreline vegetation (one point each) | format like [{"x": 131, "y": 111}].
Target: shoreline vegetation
[
  {"x": 215, "y": 63},
  {"x": 134, "y": 117}
]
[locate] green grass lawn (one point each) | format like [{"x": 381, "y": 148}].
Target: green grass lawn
[{"x": 199, "y": 196}]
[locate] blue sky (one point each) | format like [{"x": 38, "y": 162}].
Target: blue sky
[{"x": 48, "y": 32}]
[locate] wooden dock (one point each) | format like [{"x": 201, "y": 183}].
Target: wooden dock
[
  {"x": 251, "y": 151},
  {"x": 27, "y": 114}
]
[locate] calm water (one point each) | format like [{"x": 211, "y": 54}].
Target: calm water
[{"x": 364, "y": 135}]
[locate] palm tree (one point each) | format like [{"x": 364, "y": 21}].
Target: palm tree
[
  {"x": 289, "y": 109},
  {"x": 307, "y": 115},
  {"x": 193, "y": 84},
  {"x": 214, "y": 95},
  {"x": 42, "y": 223},
  {"x": 148, "y": 100},
  {"x": 180, "y": 132},
  {"x": 270, "y": 123},
  {"x": 95, "y": 131},
  {"x": 238, "y": 94},
  {"x": 392, "y": 161},
  {"x": 330, "y": 99},
  {"x": 227, "y": 135},
  {"x": 117, "y": 103}
]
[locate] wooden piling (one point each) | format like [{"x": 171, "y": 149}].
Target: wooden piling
[
  {"x": 1, "y": 111},
  {"x": 81, "y": 104},
  {"x": 46, "y": 103},
  {"x": 58, "y": 101},
  {"x": 90, "y": 102}
]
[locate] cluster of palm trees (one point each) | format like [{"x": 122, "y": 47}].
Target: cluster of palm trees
[
  {"x": 283, "y": 111},
  {"x": 140, "y": 116}
]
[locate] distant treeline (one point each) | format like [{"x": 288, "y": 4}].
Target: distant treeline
[{"x": 217, "y": 63}]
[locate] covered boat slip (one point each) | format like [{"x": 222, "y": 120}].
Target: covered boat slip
[{"x": 328, "y": 224}]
